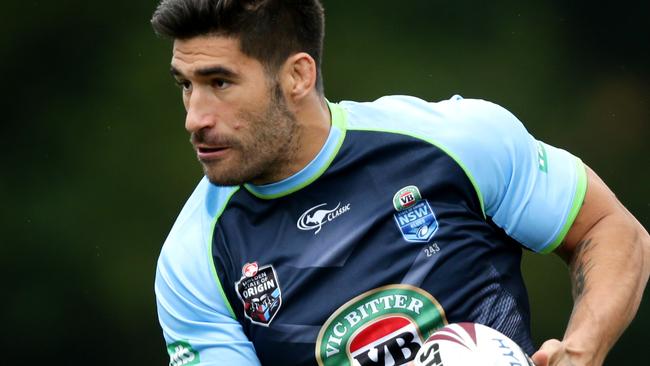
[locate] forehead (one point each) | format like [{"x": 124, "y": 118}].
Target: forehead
[{"x": 188, "y": 55}]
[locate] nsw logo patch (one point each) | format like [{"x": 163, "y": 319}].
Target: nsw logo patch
[
  {"x": 259, "y": 291},
  {"x": 414, "y": 218}
]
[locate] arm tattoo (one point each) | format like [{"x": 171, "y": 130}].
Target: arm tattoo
[
  {"x": 581, "y": 265},
  {"x": 578, "y": 282}
]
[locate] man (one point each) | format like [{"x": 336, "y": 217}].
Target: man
[{"x": 347, "y": 233}]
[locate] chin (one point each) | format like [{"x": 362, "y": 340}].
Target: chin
[
  {"x": 221, "y": 179},
  {"x": 221, "y": 175}
]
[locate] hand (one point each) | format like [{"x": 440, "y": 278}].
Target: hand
[
  {"x": 556, "y": 353},
  {"x": 552, "y": 352}
]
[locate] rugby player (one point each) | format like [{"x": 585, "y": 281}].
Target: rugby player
[{"x": 346, "y": 233}]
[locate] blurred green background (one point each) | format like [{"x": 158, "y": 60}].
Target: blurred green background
[{"x": 96, "y": 163}]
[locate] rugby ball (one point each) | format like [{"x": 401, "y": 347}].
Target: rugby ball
[{"x": 470, "y": 344}]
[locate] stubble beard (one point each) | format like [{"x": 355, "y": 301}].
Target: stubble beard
[{"x": 265, "y": 154}]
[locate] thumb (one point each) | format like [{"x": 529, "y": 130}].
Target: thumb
[
  {"x": 543, "y": 356},
  {"x": 540, "y": 358}
]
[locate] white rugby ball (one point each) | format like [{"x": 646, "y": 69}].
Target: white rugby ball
[{"x": 470, "y": 344}]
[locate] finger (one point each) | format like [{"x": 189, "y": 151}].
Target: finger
[
  {"x": 546, "y": 352},
  {"x": 540, "y": 358}
]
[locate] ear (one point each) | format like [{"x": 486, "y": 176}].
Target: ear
[{"x": 299, "y": 77}]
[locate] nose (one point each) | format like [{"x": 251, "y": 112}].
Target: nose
[{"x": 201, "y": 111}]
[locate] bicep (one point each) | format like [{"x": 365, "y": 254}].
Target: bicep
[{"x": 599, "y": 205}]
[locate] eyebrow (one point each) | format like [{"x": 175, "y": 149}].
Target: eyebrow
[{"x": 207, "y": 71}]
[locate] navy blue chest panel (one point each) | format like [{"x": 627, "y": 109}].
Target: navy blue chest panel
[{"x": 291, "y": 265}]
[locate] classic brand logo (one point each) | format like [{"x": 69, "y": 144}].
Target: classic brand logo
[
  {"x": 414, "y": 218},
  {"x": 315, "y": 218},
  {"x": 385, "y": 326},
  {"x": 259, "y": 291},
  {"x": 182, "y": 354}
]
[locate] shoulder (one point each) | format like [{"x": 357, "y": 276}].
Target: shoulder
[
  {"x": 195, "y": 316},
  {"x": 479, "y": 135},
  {"x": 184, "y": 260},
  {"x": 195, "y": 219},
  {"x": 454, "y": 120}
]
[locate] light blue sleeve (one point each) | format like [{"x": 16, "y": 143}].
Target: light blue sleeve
[
  {"x": 530, "y": 189},
  {"x": 198, "y": 324}
]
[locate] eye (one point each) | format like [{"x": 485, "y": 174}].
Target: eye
[
  {"x": 185, "y": 85},
  {"x": 220, "y": 83}
]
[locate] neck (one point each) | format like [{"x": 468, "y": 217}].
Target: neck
[{"x": 313, "y": 119}]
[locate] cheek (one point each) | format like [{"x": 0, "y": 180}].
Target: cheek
[{"x": 186, "y": 102}]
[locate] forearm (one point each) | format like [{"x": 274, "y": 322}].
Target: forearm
[{"x": 609, "y": 271}]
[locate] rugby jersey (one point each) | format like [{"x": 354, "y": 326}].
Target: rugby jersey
[{"x": 413, "y": 215}]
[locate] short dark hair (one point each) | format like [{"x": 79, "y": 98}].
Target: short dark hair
[{"x": 268, "y": 30}]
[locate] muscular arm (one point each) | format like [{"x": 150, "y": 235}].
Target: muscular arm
[{"x": 608, "y": 252}]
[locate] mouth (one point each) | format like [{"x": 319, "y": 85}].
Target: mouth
[{"x": 207, "y": 153}]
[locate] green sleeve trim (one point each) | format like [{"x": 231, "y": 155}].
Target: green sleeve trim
[
  {"x": 578, "y": 199},
  {"x": 212, "y": 265},
  {"x": 446, "y": 151}
]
